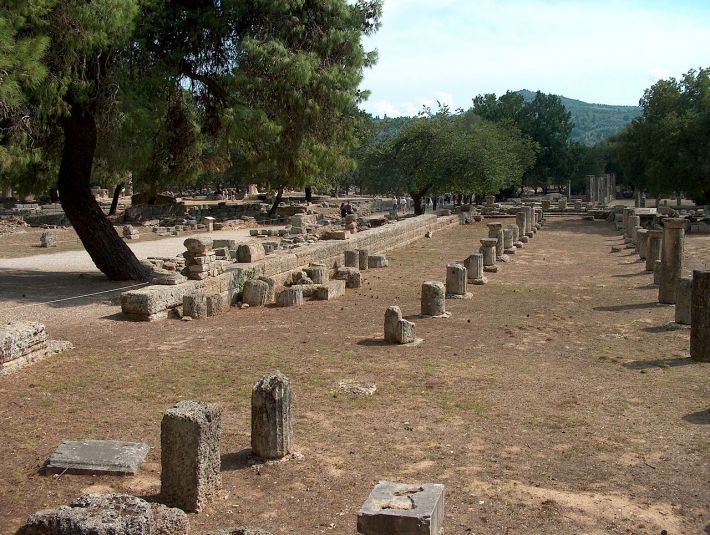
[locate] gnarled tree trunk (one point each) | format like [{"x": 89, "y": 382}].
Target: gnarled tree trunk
[
  {"x": 108, "y": 251},
  {"x": 277, "y": 200},
  {"x": 116, "y": 195}
]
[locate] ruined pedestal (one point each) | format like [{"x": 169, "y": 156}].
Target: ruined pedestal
[
  {"x": 700, "y": 317},
  {"x": 433, "y": 299},
  {"x": 683, "y": 301},
  {"x": 672, "y": 259},
  {"x": 402, "y": 509},
  {"x": 529, "y": 226},
  {"x": 515, "y": 229},
  {"x": 290, "y": 297},
  {"x": 377, "y": 261},
  {"x": 256, "y": 293},
  {"x": 508, "y": 247},
  {"x": 495, "y": 230},
  {"x": 363, "y": 259},
  {"x": 642, "y": 240},
  {"x": 634, "y": 225},
  {"x": 653, "y": 248},
  {"x": 488, "y": 250},
  {"x": 271, "y": 417},
  {"x": 352, "y": 259},
  {"x": 318, "y": 273},
  {"x": 657, "y": 270},
  {"x": 520, "y": 220},
  {"x": 398, "y": 330},
  {"x": 474, "y": 269},
  {"x": 350, "y": 275},
  {"x": 456, "y": 282},
  {"x": 190, "y": 456}
]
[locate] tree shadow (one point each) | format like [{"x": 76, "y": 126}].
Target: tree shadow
[
  {"x": 621, "y": 308},
  {"x": 666, "y": 327},
  {"x": 648, "y": 287},
  {"x": 238, "y": 460},
  {"x": 66, "y": 289},
  {"x": 700, "y": 418},
  {"x": 373, "y": 342},
  {"x": 627, "y": 275},
  {"x": 659, "y": 363}
]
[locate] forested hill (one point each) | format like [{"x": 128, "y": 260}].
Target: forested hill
[{"x": 593, "y": 122}]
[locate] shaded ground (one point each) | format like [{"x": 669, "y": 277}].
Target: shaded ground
[{"x": 554, "y": 401}]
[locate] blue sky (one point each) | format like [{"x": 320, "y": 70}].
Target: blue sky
[{"x": 598, "y": 51}]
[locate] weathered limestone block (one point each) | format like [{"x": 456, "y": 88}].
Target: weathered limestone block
[
  {"x": 153, "y": 302},
  {"x": 488, "y": 250},
  {"x": 308, "y": 290},
  {"x": 398, "y": 330},
  {"x": 474, "y": 269},
  {"x": 250, "y": 252},
  {"x": 190, "y": 455},
  {"x": 217, "y": 303},
  {"x": 653, "y": 248},
  {"x": 508, "y": 247},
  {"x": 363, "y": 259},
  {"x": 657, "y": 270},
  {"x": 198, "y": 246},
  {"x": 515, "y": 229},
  {"x": 562, "y": 204},
  {"x": 107, "y": 514},
  {"x": 350, "y": 275},
  {"x": 520, "y": 220},
  {"x": 642, "y": 236},
  {"x": 255, "y": 293},
  {"x": 271, "y": 417},
  {"x": 329, "y": 290},
  {"x": 456, "y": 282},
  {"x": 402, "y": 509},
  {"x": 20, "y": 339},
  {"x": 433, "y": 299},
  {"x": 48, "y": 239},
  {"x": 317, "y": 273},
  {"x": 352, "y": 259},
  {"x": 377, "y": 261},
  {"x": 272, "y": 288},
  {"x": 671, "y": 258},
  {"x": 683, "y": 301},
  {"x": 290, "y": 297},
  {"x": 495, "y": 230},
  {"x": 195, "y": 305},
  {"x": 700, "y": 317},
  {"x": 529, "y": 222},
  {"x": 337, "y": 235}
]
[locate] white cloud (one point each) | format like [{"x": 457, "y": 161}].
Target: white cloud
[{"x": 603, "y": 51}]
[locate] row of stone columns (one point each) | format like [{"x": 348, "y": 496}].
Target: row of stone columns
[{"x": 663, "y": 253}]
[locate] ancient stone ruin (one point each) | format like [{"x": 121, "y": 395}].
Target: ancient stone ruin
[
  {"x": 271, "y": 417},
  {"x": 23, "y": 343},
  {"x": 398, "y": 330}
]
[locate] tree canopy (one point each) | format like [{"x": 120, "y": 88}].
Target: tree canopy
[
  {"x": 168, "y": 90},
  {"x": 667, "y": 149}
]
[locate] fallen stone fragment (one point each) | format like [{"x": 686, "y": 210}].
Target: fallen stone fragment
[{"x": 97, "y": 457}]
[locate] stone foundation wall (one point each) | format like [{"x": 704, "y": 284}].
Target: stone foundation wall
[{"x": 153, "y": 302}]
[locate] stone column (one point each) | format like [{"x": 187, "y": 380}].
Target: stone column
[
  {"x": 352, "y": 259},
  {"x": 190, "y": 460},
  {"x": 290, "y": 297},
  {"x": 516, "y": 235},
  {"x": 508, "y": 247},
  {"x": 433, "y": 300},
  {"x": 562, "y": 204},
  {"x": 363, "y": 255},
  {"x": 255, "y": 293},
  {"x": 398, "y": 330},
  {"x": 456, "y": 281},
  {"x": 520, "y": 219},
  {"x": 700, "y": 317},
  {"x": 626, "y": 213},
  {"x": 271, "y": 417},
  {"x": 657, "y": 270},
  {"x": 683, "y": 301},
  {"x": 672, "y": 259},
  {"x": 642, "y": 237},
  {"x": 634, "y": 223},
  {"x": 539, "y": 218},
  {"x": 495, "y": 230},
  {"x": 474, "y": 269},
  {"x": 488, "y": 250},
  {"x": 653, "y": 248},
  {"x": 317, "y": 273}
]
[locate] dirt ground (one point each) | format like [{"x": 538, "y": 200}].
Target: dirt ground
[{"x": 555, "y": 401}]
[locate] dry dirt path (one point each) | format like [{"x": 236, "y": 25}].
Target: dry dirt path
[{"x": 554, "y": 401}]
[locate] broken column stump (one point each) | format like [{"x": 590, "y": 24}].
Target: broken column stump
[
  {"x": 700, "y": 317},
  {"x": 290, "y": 297},
  {"x": 352, "y": 259},
  {"x": 433, "y": 299},
  {"x": 255, "y": 293},
  {"x": 398, "y": 508},
  {"x": 456, "y": 279},
  {"x": 398, "y": 330},
  {"x": 271, "y": 417},
  {"x": 474, "y": 269},
  {"x": 190, "y": 455},
  {"x": 683, "y": 300}
]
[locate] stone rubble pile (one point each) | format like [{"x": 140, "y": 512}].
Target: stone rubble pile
[
  {"x": 23, "y": 343},
  {"x": 200, "y": 259}
]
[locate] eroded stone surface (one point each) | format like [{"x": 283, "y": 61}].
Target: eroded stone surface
[
  {"x": 271, "y": 417},
  {"x": 402, "y": 509},
  {"x": 97, "y": 457}
]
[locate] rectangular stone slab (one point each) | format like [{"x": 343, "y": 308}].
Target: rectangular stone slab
[
  {"x": 97, "y": 457},
  {"x": 402, "y": 509}
]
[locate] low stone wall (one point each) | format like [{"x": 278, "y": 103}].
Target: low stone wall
[{"x": 154, "y": 302}]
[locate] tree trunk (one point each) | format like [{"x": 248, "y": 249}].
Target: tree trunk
[
  {"x": 116, "y": 194},
  {"x": 277, "y": 200},
  {"x": 417, "y": 201},
  {"x": 309, "y": 194},
  {"x": 108, "y": 251}
]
